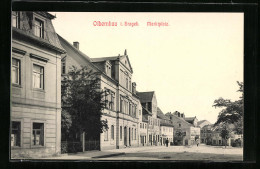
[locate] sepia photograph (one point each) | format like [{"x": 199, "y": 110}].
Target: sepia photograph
[{"x": 127, "y": 86}]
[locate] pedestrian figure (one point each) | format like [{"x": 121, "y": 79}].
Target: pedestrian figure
[
  {"x": 166, "y": 142},
  {"x": 197, "y": 142}
]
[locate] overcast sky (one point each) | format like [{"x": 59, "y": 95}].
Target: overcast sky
[{"x": 191, "y": 62}]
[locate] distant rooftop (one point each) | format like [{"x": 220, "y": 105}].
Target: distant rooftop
[{"x": 145, "y": 96}]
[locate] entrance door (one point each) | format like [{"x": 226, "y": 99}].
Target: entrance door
[{"x": 125, "y": 136}]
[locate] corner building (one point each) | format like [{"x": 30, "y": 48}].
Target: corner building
[
  {"x": 35, "y": 86},
  {"x": 123, "y": 107}
]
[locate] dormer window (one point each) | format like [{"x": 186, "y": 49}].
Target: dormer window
[
  {"x": 39, "y": 28},
  {"x": 16, "y": 19}
]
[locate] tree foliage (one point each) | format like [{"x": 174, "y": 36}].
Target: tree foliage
[
  {"x": 232, "y": 111},
  {"x": 82, "y": 103}
]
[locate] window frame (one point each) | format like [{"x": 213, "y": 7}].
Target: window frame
[
  {"x": 44, "y": 134},
  {"x": 41, "y": 75},
  {"x": 106, "y": 135},
  {"x": 19, "y": 71},
  {"x": 112, "y": 132},
  {"x": 17, "y": 21},
  {"x": 40, "y": 26},
  {"x": 21, "y": 133}
]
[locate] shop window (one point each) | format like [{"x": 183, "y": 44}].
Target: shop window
[
  {"x": 38, "y": 134},
  {"x": 16, "y": 134}
]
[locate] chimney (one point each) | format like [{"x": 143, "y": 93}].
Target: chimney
[
  {"x": 134, "y": 88},
  {"x": 76, "y": 45}
]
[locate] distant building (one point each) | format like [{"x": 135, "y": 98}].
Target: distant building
[
  {"x": 166, "y": 127},
  {"x": 123, "y": 107},
  {"x": 203, "y": 123},
  {"x": 191, "y": 120},
  {"x": 149, "y": 105},
  {"x": 206, "y": 134},
  {"x": 185, "y": 133},
  {"x": 143, "y": 132},
  {"x": 36, "y": 86}
]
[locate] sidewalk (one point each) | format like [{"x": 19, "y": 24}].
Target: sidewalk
[{"x": 87, "y": 155}]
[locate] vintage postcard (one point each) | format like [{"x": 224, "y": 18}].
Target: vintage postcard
[{"x": 137, "y": 86}]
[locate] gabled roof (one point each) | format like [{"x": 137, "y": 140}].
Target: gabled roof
[
  {"x": 102, "y": 59},
  {"x": 80, "y": 54},
  {"x": 160, "y": 114},
  {"x": 179, "y": 118},
  {"x": 64, "y": 41},
  {"x": 190, "y": 119},
  {"x": 145, "y": 96},
  {"x": 201, "y": 121}
]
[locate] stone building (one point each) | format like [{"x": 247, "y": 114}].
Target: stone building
[
  {"x": 166, "y": 127},
  {"x": 35, "y": 86},
  {"x": 123, "y": 106},
  {"x": 149, "y": 107},
  {"x": 185, "y": 133}
]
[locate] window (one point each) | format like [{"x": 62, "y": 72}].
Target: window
[
  {"x": 179, "y": 125},
  {"x": 112, "y": 132},
  {"x": 135, "y": 134},
  {"x": 112, "y": 101},
  {"x": 126, "y": 85},
  {"x": 130, "y": 108},
  {"x": 145, "y": 126},
  {"x": 38, "y": 75},
  {"x": 106, "y": 135},
  {"x": 16, "y": 19},
  {"x": 121, "y": 104},
  {"x": 132, "y": 133},
  {"x": 38, "y": 134},
  {"x": 120, "y": 132},
  {"x": 63, "y": 66},
  {"x": 39, "y": 28},
  {"x": 140, "y": 125},
  {"x": 16, "y": 69},
  {"x": 16, "y": 134}
]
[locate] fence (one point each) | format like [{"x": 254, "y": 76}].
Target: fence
[
  {"x": 70, "y": 147},
  {"x": 92, "y": 145}
]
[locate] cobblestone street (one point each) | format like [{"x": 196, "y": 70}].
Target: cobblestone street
[{"x": 179, "y": 153}]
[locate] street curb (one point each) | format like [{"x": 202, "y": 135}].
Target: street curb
[{"x": 109, "y": 155}]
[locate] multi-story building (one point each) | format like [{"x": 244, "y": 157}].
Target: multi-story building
[
  {"x": 185, "y": 133},
  {"x": 166, "y": 127},
  {"x": 149, "y": 105},
  {"x": 143, "y": 131},
  {"x": 35, "y": 86},
  {"x": 206, "y": 134},
  {"x": 123, "y": 106}
]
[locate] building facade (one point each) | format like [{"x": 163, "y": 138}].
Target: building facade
[
  {"x": 166, "y": 128},
  {"x": 122, "y": 104},
  {"x": 35, "y": 86},
  {"x": 185, "y": 133},
  {"x": 149, "y": 107}
]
